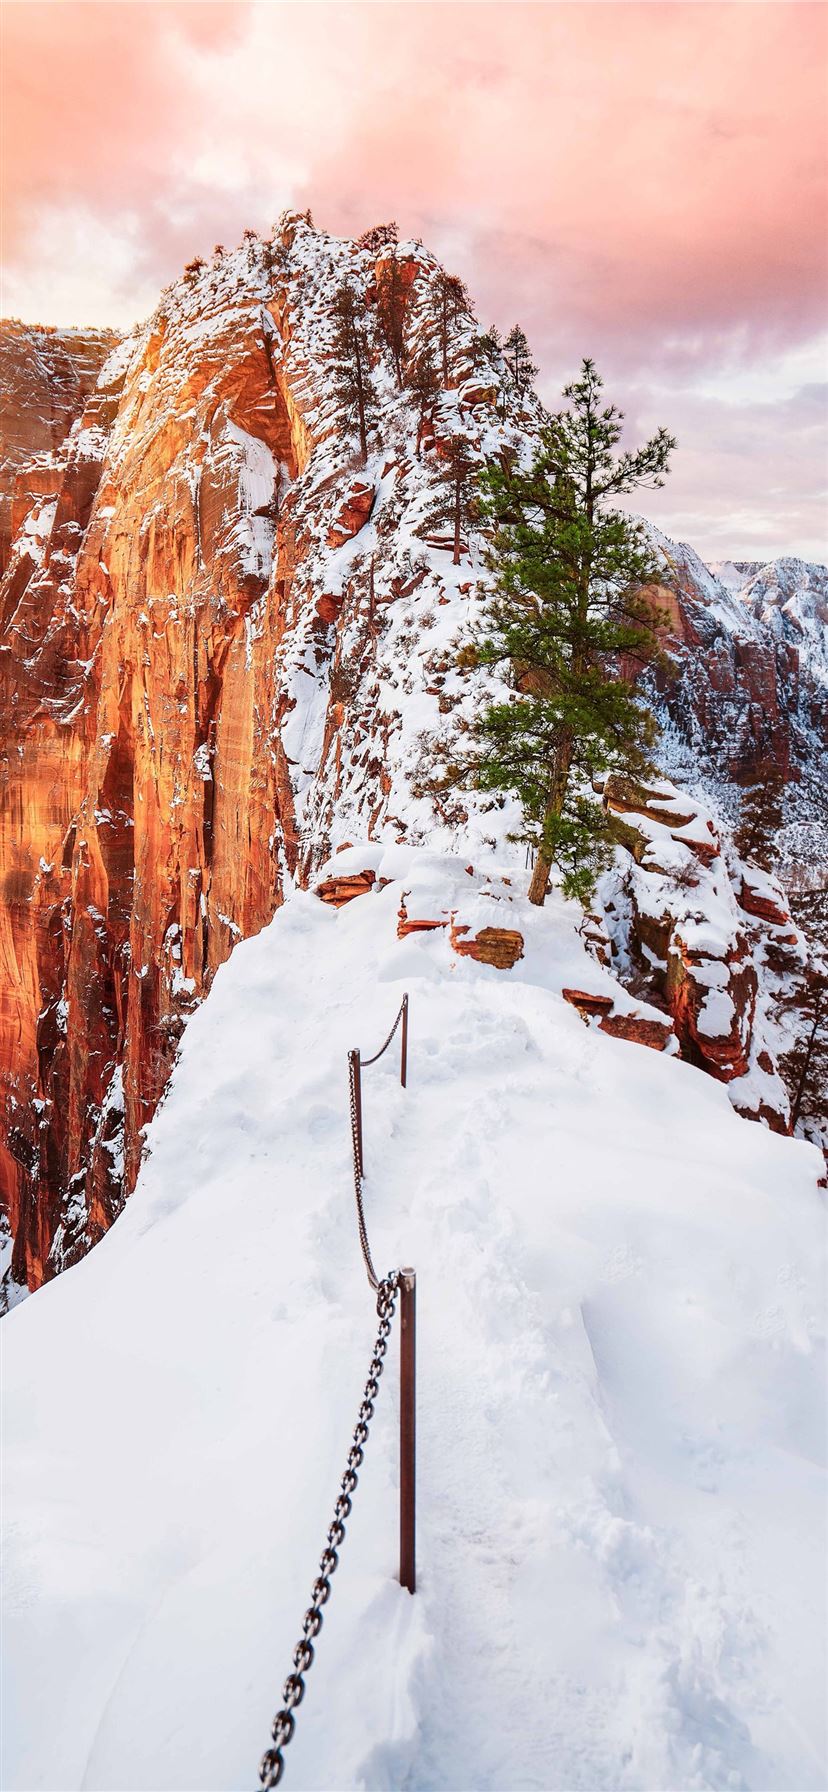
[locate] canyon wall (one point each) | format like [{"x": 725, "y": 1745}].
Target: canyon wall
[{"x": 224, "y": 640}]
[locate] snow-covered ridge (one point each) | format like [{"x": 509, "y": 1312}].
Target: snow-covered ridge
[
  {"x": 621, "y": 1282},
  {"x": 787, "y": 596},
  {"x": 244, "y": 644},
  {"x": 621, "y": 1397}
]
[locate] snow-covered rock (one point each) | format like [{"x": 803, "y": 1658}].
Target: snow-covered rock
[
  {"x": 227, "y": 647},
  {"x": 621, "y": 1395}
]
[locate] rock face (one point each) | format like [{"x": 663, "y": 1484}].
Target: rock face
[
  {"x": 209, "y": 612},
  {"x": 747, "y": 682},
  {"x": 223, "y": 643},
  {"x": 743, "y": 699},
  {"x": 46, "y": 377},
  {"x": 708, "y": 939}
]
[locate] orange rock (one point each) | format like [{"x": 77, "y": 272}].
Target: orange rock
[
  {"x": 654, "y": 1033},
  {"x": 339, "y": 890},
  {"x": 46, "y": 379},
  {"x": 758, "y": 902},
  {"x": 352, "y": 515},
  {"x": 586, "y": 1003},
  {"x": 624, "y": 797},
  {"x": 725, "y": 1055},
  {"x": 147, "y": 810},
  {"x": 498, "y": 946},
  {"x": 406, "y": 925},
  {"x": 328, "y": 606}
]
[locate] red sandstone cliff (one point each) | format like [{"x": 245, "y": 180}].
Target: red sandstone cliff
[
  {"x": 191, "y": 695},
  {"x": 46, "y": 377},
  {"x": 222, "y": 642}
]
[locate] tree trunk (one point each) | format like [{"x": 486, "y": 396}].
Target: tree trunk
[
  {"x": 457, "y": 498},
  {"x": 560, "y": 779},
  {"x": 363, "y": 433},
  {"x": 540, "y": 880}
]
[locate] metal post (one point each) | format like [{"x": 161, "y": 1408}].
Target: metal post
[
  {"x": 356, "y": 1073},
  {"x": 408, "y": 1425},
  {"x": 404, "y": 1046}
]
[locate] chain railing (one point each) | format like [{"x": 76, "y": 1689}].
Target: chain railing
[
  {"x": 402, "y": 1282},
  {"x": 356, "y": 1065}
]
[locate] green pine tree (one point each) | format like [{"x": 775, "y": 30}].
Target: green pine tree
[
  {"x": 571, "y": 618},
  {"x": 518, "y": 359},
  {"x": 391, "y": 308},
  {"x": 351, "y": 355},
  {"x": 446, "y": 301},
  {"x": 424, "y": 385},
  {"x": 452, "y": 499}
]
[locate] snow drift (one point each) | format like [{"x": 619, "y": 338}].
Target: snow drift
[{"x": 621, "y": 1484}]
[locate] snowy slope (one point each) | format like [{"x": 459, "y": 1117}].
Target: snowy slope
[{"x": 621, "y": 1495}]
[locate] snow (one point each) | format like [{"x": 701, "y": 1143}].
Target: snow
[
  {"x": 717, "y": 1014},
  {"x": 621, "y": 1495},
  {"x": 621, "y": 1543},
  {"x": 257, "y": 483}
]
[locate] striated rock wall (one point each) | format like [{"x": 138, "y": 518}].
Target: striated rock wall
[
  {"x": 695, "y": 931},
  {"x": 194, "y": 696},
  {"x": 746, "y": 684},
  {"x": 46, "y": 377}
]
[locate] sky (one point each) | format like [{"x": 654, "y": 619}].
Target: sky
[{"x": 643, "y": 183}]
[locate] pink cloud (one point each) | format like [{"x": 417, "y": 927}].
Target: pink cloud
[{"x": 644, "y": 182}]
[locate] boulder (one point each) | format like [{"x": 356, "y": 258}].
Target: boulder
[
  {"x": 498, "y": 946},
  {"x": 338, "y": 890}
]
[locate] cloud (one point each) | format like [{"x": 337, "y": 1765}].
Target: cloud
[
  {"x": 749, "y": 480},
  {"x": 641, "y": 182}
]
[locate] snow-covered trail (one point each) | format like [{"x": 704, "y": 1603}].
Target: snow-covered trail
[{"x": 621, "y": 1396}]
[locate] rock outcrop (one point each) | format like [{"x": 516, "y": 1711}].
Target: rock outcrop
[{"x": 707, "y": 938}]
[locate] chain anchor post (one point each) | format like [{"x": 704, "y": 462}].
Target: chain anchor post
[
  {"x": 356, "y": 1097},
  {"x": 408, "y": 1427}
]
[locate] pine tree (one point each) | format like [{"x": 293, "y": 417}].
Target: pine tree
[
  {"x": 454, "y": 497},
  {"x": 760, "y": 818},
  {"x": 391, "y": 296},
  {"x": 805, "y": 1069},
  {"x": 421, "y": 377},
  {"x": 380, "y": 236},
  {"x": 354, "y": 386},
  {"x": 518, "y": 360},
  {"x": 569, "y": 609},
  {"x": 487, "y": 345},
  {"x": 446, "y": 300}
]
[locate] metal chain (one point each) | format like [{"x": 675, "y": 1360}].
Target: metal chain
[
  {"x": 272, "y": 1763},
  {"x": 356, "y": 1063},
  {"x": 363, "y": 1234},
  {"x": 383, "y": 1048}
]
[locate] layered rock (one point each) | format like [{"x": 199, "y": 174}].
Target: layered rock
[
  {"x": 746, "y": 683},
  {"x": 46, "y": 378},
  {"x": 201, "y": 687},
  {"x": 706, "y": 937}
]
